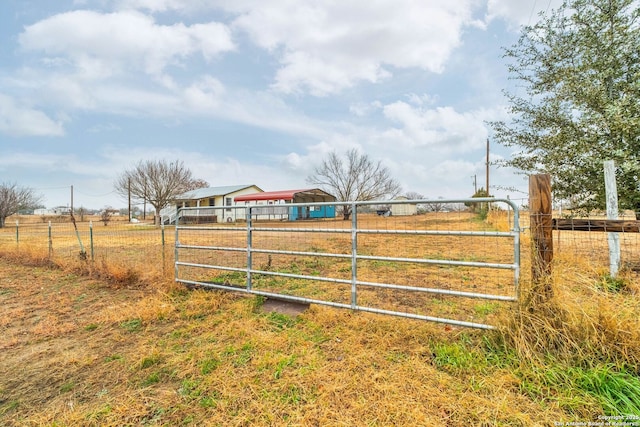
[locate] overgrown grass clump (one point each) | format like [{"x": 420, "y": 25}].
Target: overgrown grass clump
[{"x": 580, "y": 347}]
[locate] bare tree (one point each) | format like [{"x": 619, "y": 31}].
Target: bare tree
[
  {"x": 157, "y": 182},
  {"x": 13, "y": 198},
  {"x": 438, "y": 206},
  {"x": 197, "y": 183},
  {"x": 106, "y": 214},
  {"x": 354, "y": 178},
  {"x": 413, "y": 195}
]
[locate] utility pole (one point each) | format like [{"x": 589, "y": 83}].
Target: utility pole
[
  {"x": 475, "y": 184},
  {"x": 129, "y": 194},
  {"x": 487, "y": 187},
  {"x": 144, "y": 205},
  {"x": 72, "y": 200}
]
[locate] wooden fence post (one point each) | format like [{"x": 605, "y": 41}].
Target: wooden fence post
[{"x": 540, "y": 216}]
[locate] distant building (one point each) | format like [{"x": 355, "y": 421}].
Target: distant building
[
  {"x": 60, "y": 210},
  {"x": 273, "y": 204},
  {"x": 206, "y": 198},
  {"x": 401, "y": 209}
]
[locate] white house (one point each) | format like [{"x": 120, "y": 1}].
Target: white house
[
  {"x": 59, "y": 210},
  {"x": 216, "y": 204}
]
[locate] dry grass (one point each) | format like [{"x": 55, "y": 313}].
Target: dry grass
[
  {"x": 86, "y": 355},
  {"x": 106, "y": 349},
  {"x": 590, "y": 316}
]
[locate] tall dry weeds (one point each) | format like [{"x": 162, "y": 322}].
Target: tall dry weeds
[{"x": 584, "y": 323}]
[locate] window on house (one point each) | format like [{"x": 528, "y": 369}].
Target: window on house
[
  {"x": 212, "y": 201},
  {"x": 227, "y": 202}
]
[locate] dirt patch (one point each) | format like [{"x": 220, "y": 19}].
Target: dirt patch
[{"x": 284, "y": 307}]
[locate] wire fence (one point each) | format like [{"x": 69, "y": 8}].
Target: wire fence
[
  {"x": 145, "y": 252},
  {"x": 407, "y": 250},
  {"x": 123, "y": 251},
  {"x": 593, "y": 246},
  {"x": 382, "y": 259}
]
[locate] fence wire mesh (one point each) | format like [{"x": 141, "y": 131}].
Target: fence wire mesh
[
  {"x": 418, "y": 264},
  {"x": 402, "y": 250},
  {"x": 120, "y": 250},
  {"x": 593, "y": 246}
]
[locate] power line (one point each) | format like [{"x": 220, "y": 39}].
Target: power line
[{"x": 95, "y": 195}]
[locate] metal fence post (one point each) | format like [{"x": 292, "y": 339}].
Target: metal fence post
[
  {"x": 249, "y": 247},
  {"x": 176, "y": 245},
  {"x": 17, "y": 232},
  {"x": 164, "y": 267},
  {"x": 354, "y": 255},
  {"x": 91, "y": 238},
  {"x": 50, "y": 242}
]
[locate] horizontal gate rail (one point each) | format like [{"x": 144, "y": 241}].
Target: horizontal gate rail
[
  {"x": 346, "y": 306},
  {"x": 212, "y": 248},
  {"x": 251, "y": 240},
  {"x": 439, "y": 233},
  {"x": 328, "y": 279},
  {"x": 441, "y": 262}
]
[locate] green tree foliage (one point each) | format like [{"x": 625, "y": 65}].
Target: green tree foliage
[
  {"x": 579, "y": 67},
  {"x": 14, "y": 198},
  {"x": 480, "y": 208}
]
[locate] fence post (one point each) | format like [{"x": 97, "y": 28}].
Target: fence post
[
  {"x": 17, "y": 232},
  {"x": 91, "y": 239},
  {"x": 50, "y": 242},
  {"x": 540, "y": 216},
  {"x": 612, "y": 213},
  {"x": 354, "y": 254},
  {"x": 163, "y": 248},
  {"x": 249, "y": 247}
]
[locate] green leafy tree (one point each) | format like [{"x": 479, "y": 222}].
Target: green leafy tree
[
  {"x": 480, "y": 208},
  {"x": 14, "y": 198},
  {"x": 579, "y": 67}
]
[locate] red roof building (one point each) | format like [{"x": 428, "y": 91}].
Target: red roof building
[
  {"x": 288, "y": 204},
  {"x": 309, "y": 195}
]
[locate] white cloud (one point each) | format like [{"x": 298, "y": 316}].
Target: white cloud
[
  {"x": 57, "y": 163},
  {"x": 326, "y": 46},
  {"x": 442, "y": 128},
  {"x": 361, "y": 109},
  {"x": 102, "y": 45},
  {"x": 104, "y": 127},
  {"x": 204, "y": 94},
  {"x": 18, "y": 120}
]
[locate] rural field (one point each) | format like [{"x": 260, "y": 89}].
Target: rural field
[{"x": 113, "y": 340}]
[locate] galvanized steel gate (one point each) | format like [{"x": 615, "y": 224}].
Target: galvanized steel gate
[{"x": 422, "y": 259}]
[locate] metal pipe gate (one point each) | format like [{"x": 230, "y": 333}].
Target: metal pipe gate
[{"x": 435, "y": 260}]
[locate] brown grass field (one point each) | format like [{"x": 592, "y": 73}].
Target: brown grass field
[{"x": 114, "y": 341}]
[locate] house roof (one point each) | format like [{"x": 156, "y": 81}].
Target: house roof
[
  {"x": 203, "y": 193},
  {"x": 303, "y": 195}
]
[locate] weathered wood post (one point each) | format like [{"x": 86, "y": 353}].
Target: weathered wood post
[{"x": 540, "y": 217}]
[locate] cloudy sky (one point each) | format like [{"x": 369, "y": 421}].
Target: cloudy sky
[{"x": 253, "y": 91}]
